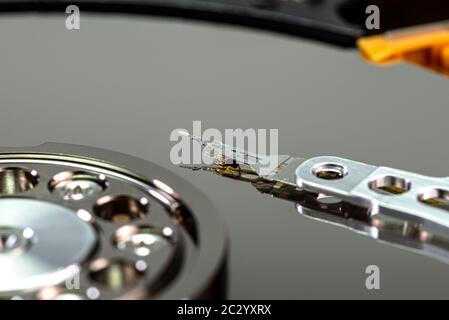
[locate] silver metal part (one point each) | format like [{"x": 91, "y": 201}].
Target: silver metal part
[
  {"x": 396, "y": 193},
  {"x": 394, "y": 206},
  {"x": 73, "y": 226},
  {"x": 77, "y": 185},
  {"x": 39, "y": 228}
]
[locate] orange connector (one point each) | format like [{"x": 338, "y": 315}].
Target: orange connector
[{"x": 427, "y": 47}]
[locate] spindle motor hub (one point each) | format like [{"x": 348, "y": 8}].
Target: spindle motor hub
[{"x": 85, "y": 223}]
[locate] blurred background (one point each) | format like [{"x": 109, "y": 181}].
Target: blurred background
[{"x": 124, "y": 83}]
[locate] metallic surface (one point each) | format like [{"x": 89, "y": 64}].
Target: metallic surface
[
  {"x": 42, "y": 227},
  {"x": 103, "y": 86},
  {"x": 358, "y": 188},
  {"x": 70, "y": 237},
  {"x": 397, "y": 207}
]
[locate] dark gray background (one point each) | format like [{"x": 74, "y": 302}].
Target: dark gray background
[{"x": 124, "y": 84}]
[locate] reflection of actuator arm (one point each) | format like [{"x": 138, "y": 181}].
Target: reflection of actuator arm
[{"x": 399, "y": 207}]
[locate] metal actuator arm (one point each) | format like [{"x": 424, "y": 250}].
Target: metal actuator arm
[
  {"x": 392, "y": 192},
  {"x": 396, "y": 193},
  {"x": 385, "y": 203}
]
